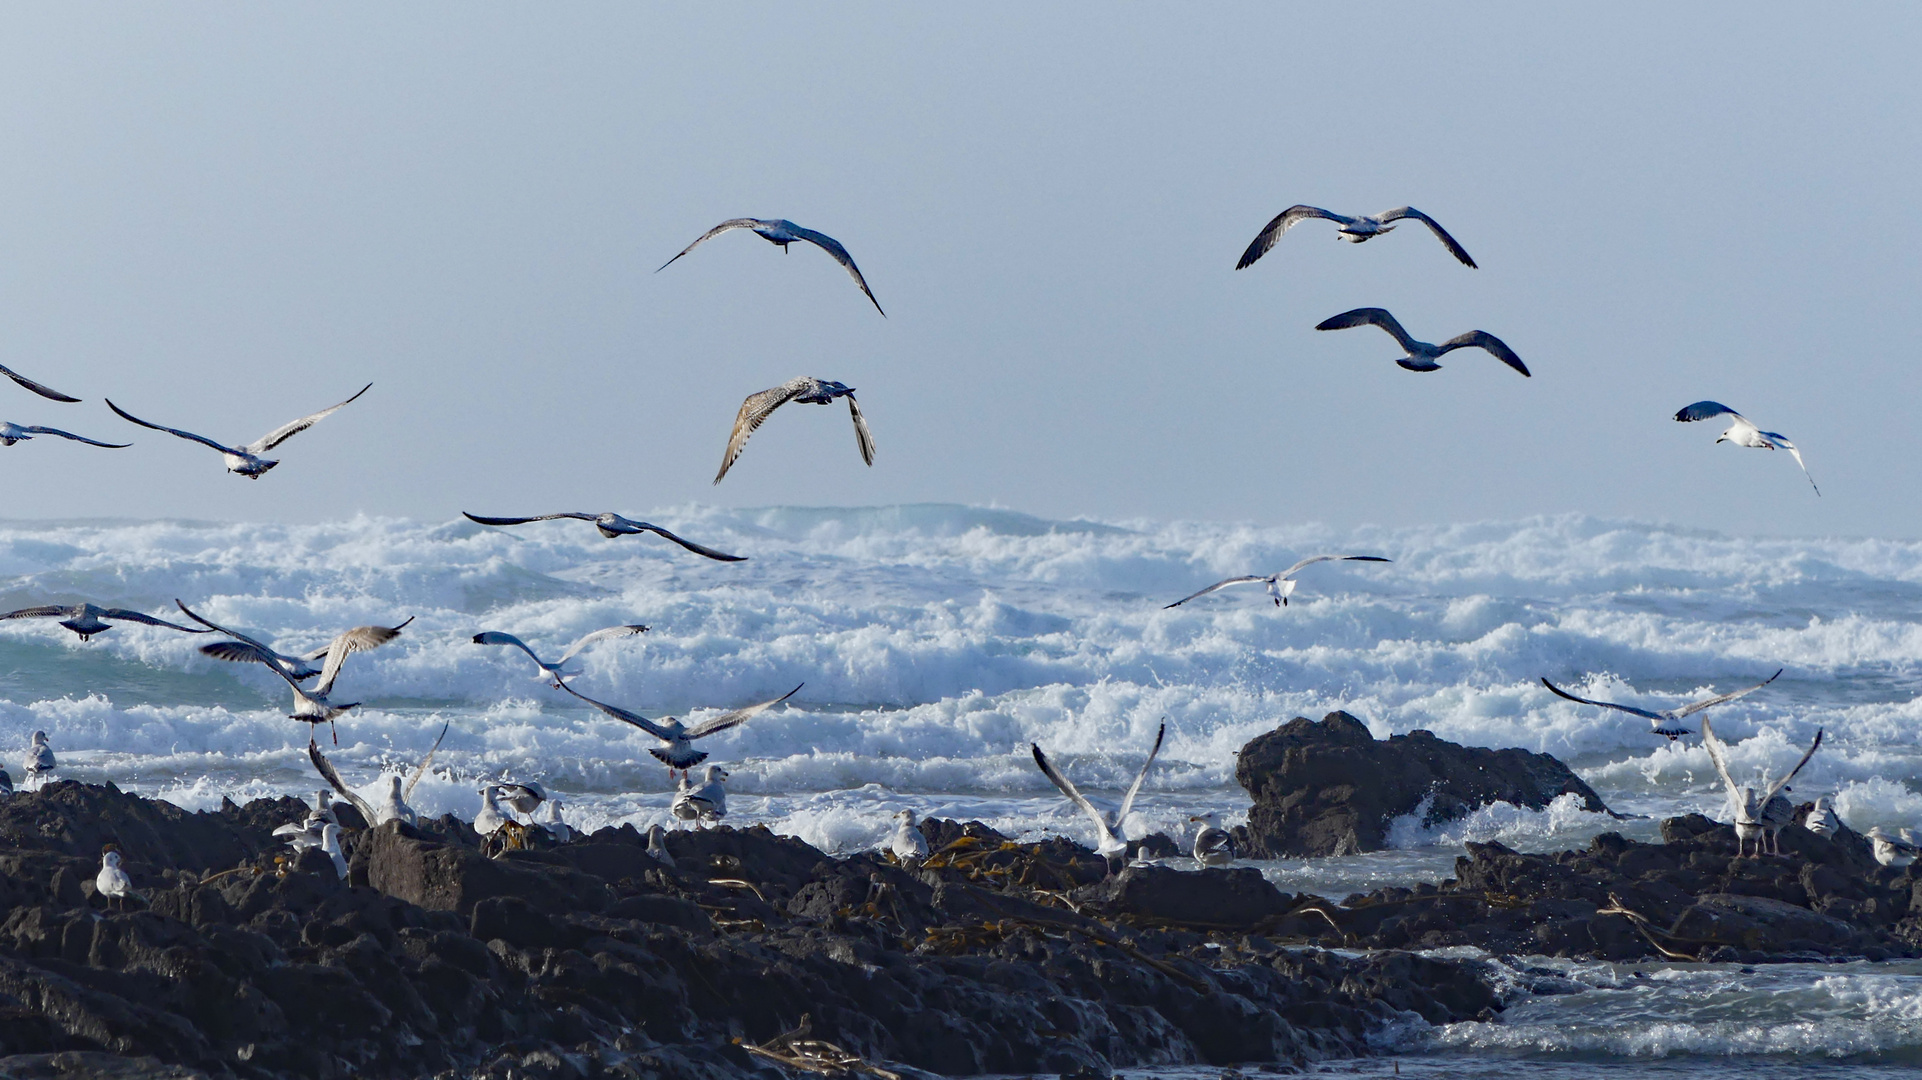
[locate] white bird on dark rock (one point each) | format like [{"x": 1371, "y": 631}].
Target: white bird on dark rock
[
  {"x": 783, "y": 232},
  {"x": 1822, "y": 819},
  {"x": 11, "y": 433},
  {"x": 43, "y": 391},
  {"x": 40, "y": 760},
  {"x": 1213, "y": 844},
  {"x": 1280, "y": 586},
  {"x": 88, "y": 620},
  {"x": 1420, "y": 355},
  {"x": 489, "y": 819},
  {"x": 558, "y": 668},
  {"x": 1891, "y": 851},
  {"x": 612, "y": 525},
  {"x": 246, "y": 460},
  {"x": 706, "y": 804},
  {"x": 657, "y": 846},
  {"x": 550, "y": 819},
  {"x": 1752, "y": 819},
  {"x": 112, "y": 882},
  {"x": 1110, "y": 843},
  {"x": 908, "y": 842},
  {"x": 1743, "y": 432},
  {"x": 679, "y": 753},
  {"x": 524, "y": 796},
  {"x": 330, "y": 843},
  {"x": 394, "y": 804},
  {"x": 1355, "y": 230},
  {"x": 805, "y": 390},
  {"x": 1667, "y": 721},
  {"x": 393, "y": 807},
  {"x": 307, "y": 833},
  {"x": 313, "y": 706}
]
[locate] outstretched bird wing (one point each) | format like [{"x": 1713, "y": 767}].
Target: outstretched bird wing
[
  {"x": 253, "y": 650},
  {"x": 1644, "y": 713},
  {"x": 408, "y": 791},
  {"x": 862, "y": 437},
  {"x": 188, "y": 435},
  {"x": 698, "y": 549},
  {"x": 1369, "y": 316},
  {"x": 833, "y": 247},
  {"x": 43, "y": 391},
  {"x": 38, "y": 430},
  {"x": 525, "y": 520},
  {"x": 1715, "y": 754},
  {"x": 1440, "y": 233},
  {"x": 1482, "y": 339},
  {"x": 623, "y": 715},
  {"x": 1102, "y": 830},
  {"x": 1313, "y": 559},
  {"x": 287, "y": 431},
  {"x": 599, "y": 635},
  {"x": 1128, "y": 800},
  {"x": 497, "y": 637},
  {"x": 1246, "y": 579},
  {"x": 359, "y": 639},
  {"x": 1706, "y": 702},
  {"x": 332, "y": 776},
  {"x": 1705, "y": 410},
  {"x": 44, "y": 611},
  {"x": 1772, "y": 435},
  {"x": 754, "y": 412},
  {"x": 639, "y": 526},
  {"x": 731, "y": 223},
  {"x": 728, "y": 720},
  {"x": 1776, "y": 788},
  {"x": 1283, "y": 221},
  {"x": 123, "y": 615}
]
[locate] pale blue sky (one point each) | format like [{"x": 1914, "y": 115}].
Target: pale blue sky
[{"x": 226, "y": 216}]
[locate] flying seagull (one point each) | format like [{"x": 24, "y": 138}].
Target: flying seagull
[
  {"x": 1743, "y": 432},
  {"x": 1421, "y": 356},
  {"x": 783, "y": 232},
  {"x": 314, "y": 706},
  {"x": 1280, "y": 586},
  {"x": 11, "y": 433},
  {"x": 612, "y": 525},
  {"x": 805, "y": 390},
  {"x": 1109, "y": 843},
  {"x": 1753, "y": 817},
  {"x": 246, "y": 460},
  {"x": 88, "y": 620},
  {"x": 1355, "y": 230},
  {"x": 43, "y": 391},
  {"x": 679, "y": 753},
  {"x": 556, "y": 669},
  {"x": 1667, "y": 721}
]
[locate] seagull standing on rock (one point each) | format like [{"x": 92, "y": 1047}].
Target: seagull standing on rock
[
  {"x": 1355, "y": 230},
  {"x": 247, "y": 460},
  {"x": 783, "y": 232},
  {"x": 330, "y": 843},
  {"x": 1110, "y": 844},
  {"x": 805, "y": 390},
  {"x": 40, "y": 761},
  {"x": 657, "y": 846},
  {"x": 1754, "y": 818},
  {"x": 489, "y": 819},
  {"x": 1420, "y": 355},
  {"x": 706, "y": 804},
  {"x": 113, "y": 882},
  {"x": 1822, "y": 819},
  {"x": 1742, "y": 432},
  {"x": 1667, "y": 721},
  {"x": 1213, "y": 845},
  {"x": 394, "y": 806},
  {"x": 612, "y": 525},
  {"x": 1280, "y": 586},
  {"x": 908, "y": 842}
]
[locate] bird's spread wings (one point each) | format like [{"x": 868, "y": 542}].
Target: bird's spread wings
[
  {"x": 862, "y": 437},
  {"x": 332, "y": 776},
  {"x": 408, "y": 791},
  {"x": 1313, "y": 559},
  {"x": 642, "y": 526},
  {"x": 1440, "y": 233},
  {"x": 1265, "y": 239},
  {"x": 525, "y": 520},
  {"x": 1715, "y": 754},
  {"x": 287, "y": 431},
  {"x": 1705, "y": 410},
  {"x": 754, "y": 412},
  {"x": 202, "y": 439},
  {"x": 124, "y": 615},
  {"x": 1245, "y": 579},
  {"x": 731, "y": 223},
  {"x": 38, "y": 430},
  {"x": 255, "y": 651},
  {"x": 599, "y": 635},
  {"x": 698, "y": 549},
  {"x": 44, "y": 611},
  {"x": 623, "y": 715},
  {"x": 1369, "y": 316},
  {"x": 359, "y": 639},
  {"x": 1100, "y": 823},
  {"x": 1482, "y": 339},
  {"x": 1706, "y": 702},
  {"x": 833, "y": 247},
  {"x": 728, "y": 720},
  {"x": 1776, "y": 788},
  {"x": 240, "y": 652},
  {"x": 496, "y": 637},
  {"x": 1128, "y": 800},
  {"x": 43, "y": 391},
  {"x": 1644, "y": 713},
  {"x": 1776, "y": 436}
]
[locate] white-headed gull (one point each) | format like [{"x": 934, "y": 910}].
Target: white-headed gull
[
  {"x": 1752, "y": 822},
  {"x": 1420, "y": 355},
  {"x": 908, "y": 842},
  {"x": 1743, "y": 432},
  {"x": 805, "y": 390},
  {"x": 88, "y": 620},
  {"x": 489, "y": 819},
  {"x": 112, "y": 882},
  {"x": 40, "y": 760},
  {"x": 657, "y": 846},
  {"x": 1355, "y": 230},
  {"x": 1891, "y": 850},
  {"x": 1280, "y": 586},
  {"x": 1822, "y": 819},
  {"x": 558, "y": 668},
  {"x": 1110, "y": 844},
  {"x": 782, "y": 232},
  {"x": 246, "y": 460},
  {"x": 611, "y": 525},
  {"x": 1667, "y": 721},
  {"x": 314, "y": 706},
  {"x": 679, "y": 753},
  {"x": 1213, "y": 845},
  {"x": 705, "y": 804}
]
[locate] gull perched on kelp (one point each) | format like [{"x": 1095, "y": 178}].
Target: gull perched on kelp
[
  {"x": 1280, "y": 586},
  {"x": 246, "y": 460},
  {"x": 43, "y": 391},
  {"x": 1743, "y": 432},
  {"x": 88, "y": 620},
  {"x": 1754, "y": 816},
  {"x": 1667, "y": 721},
  {"x": 782, "y": 232},
  {"x": 611, "y": 525},
  {"x": 313, "y": 706},
  {"x": 1420, "y": 355},
  {"x": 679, "y": 753},
  {"x": 1355, "y": 230},
  {"x": 805, "y": 390},
  {"x": 556, "y": 669},
  {"x": 11, "y": 433},
  {"x": 1109, "y": 843}
]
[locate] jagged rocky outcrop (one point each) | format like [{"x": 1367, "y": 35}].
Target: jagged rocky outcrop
[
  {"x": 1331, "y": 788},
  {"x": 592, "y": 960}
]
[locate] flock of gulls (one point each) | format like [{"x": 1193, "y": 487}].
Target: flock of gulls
[{"x": 510, "y": 810}]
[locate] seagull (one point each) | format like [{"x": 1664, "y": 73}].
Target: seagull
[
  {"x": 1213, "y": 845},
  {"x": 1355, "y": 230},
  {"x": 88, "y": 620},
  {"x": 1743, "y": 432},
  {"x": 1280, "y": 586},
  {"x": 806, "y": 390},
  {"x": 246, "y": 460},
  {"x": 113, "y": 882},
  {"x": 1823, "y": 820},
  {"x": 11, "y": 433},
  {"x": 555, "y": 670},
  {"x": 908, "y": 841},
  {"x": 782, "y": 232},
  {"x": 330, "y": 843},
  {"x": 308, "y": 833},
  {"x": 394, "y": 805},
  {"x": 40, "y": 759},
  {"x": 1667, "y": 721},
  {"x": 706, "y": 804},
  {"x": 43, "y": 391},
  {"x": 657, "y": 846},
  {"x": 1891, "y": 851},
  {"x": 1752, "y": 819},
  {"x": 1109, "y": 843},
  {"x": 313, "y": 706},
  {"x": 489, "y": 820},
  {"x": 300, "y": 667},
  {"x": 549, "y": 818},
  {"x": 525, "y": 797},
  {"x": 612, "y": 525},
  {"x": 1421, "y": 356},
  {"x": 679, "y": 753}
]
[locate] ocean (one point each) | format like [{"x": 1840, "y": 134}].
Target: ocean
[{"x": 934, "y": 643}]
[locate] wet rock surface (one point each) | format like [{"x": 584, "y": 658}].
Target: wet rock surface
[
  {"x": 593, "y": 960},
  {"x": 1331, "y": 788}
]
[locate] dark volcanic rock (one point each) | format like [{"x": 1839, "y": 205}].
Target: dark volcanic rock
[{"x": 1332, "y": 788}]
